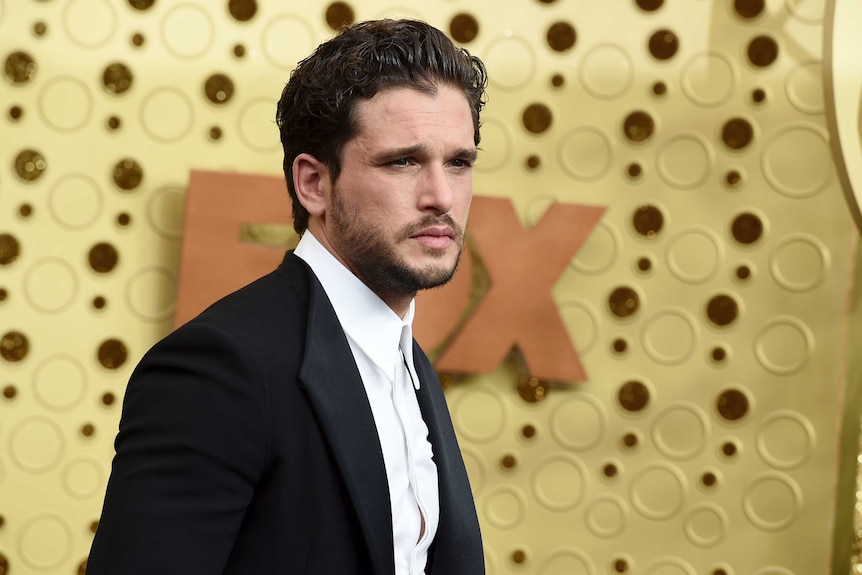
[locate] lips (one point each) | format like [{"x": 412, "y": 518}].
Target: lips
[
  {"x": 436, "y": 231},
  {"x": 435, "y": 237}
]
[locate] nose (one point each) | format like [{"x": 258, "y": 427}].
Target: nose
[{"x": 436, "y": 193}]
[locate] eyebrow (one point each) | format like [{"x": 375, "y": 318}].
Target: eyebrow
[
  {"x": 390, "y": 155},
  {"x": 467, "y": 154}
]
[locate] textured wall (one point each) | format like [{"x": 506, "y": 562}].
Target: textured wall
[{"x": 708, "y": 307}]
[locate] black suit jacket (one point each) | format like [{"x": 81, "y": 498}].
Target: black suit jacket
[{"x": 247, "y": 446}]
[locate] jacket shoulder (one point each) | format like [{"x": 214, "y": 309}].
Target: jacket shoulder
[{"x": 272, "y": 298}]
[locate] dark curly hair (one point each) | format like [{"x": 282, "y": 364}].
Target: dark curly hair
[{"x": 315, "y": 112}]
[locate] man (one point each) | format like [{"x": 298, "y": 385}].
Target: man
[{"x": 295, "y": 426}]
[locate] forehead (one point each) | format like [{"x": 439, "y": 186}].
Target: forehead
[{"x": 404, "y": 112}]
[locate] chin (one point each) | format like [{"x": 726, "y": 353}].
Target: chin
[{"x": 436, "y": 275}]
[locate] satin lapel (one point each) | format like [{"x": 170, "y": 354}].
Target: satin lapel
[
  {"x": 337, "y": 395},
  {"x": 458, "y": 544}
]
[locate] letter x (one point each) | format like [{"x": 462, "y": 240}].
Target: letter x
[{"x": 518, "y": 308}]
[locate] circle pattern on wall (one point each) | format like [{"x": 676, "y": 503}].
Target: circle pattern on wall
[
  {"x": 35, "y": 533},
  {"x": 66, "y": 104},
  {"x": 511, "y": 62},
  {"x": 90, "y": 23},
  {"x": 701, "y": 307},
  {"x": 60, "y": 382},
  {"x": 658, "y": 491},
  {"x": 187, "y": 31}
]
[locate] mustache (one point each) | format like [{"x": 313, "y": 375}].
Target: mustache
[{"x": 428, "y": 221}]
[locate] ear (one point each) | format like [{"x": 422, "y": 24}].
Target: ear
[{"x": 311, "y": 180}]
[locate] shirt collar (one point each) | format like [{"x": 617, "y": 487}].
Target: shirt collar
[{"x": 366, "y": 319}]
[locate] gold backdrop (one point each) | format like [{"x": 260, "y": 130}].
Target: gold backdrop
[{"x": 709, "y": 306}]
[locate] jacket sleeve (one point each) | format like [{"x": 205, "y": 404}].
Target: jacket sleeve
[{"x": 192, "y": 444}]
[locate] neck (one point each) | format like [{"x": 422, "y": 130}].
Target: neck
[{"x": 397, "y": 301}]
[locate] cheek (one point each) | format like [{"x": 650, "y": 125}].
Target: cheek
[
  {"x": 359, "y": 198},
  {"x": 462, "y": 204}
]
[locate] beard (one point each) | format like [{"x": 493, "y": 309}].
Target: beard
[{"x": 373, "y": 259}]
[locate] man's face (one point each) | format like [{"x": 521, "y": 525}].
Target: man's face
[{"x": 399, "y": 207}]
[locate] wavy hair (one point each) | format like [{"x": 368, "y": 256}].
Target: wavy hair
[{"x": 315, "y": 112}]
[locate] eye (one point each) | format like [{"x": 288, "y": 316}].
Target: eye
[
  {"x": 400, "y": 162},
  {"x": 460, "y": 163}
]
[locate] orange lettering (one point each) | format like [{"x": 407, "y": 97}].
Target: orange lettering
[{"x": 518, "y": 308}]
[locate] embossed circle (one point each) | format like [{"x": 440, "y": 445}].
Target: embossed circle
[
  {"x": 165, "y": 212},
  {"x": 772, "y": 501},
  {"x": 797, "y": 161},
  {"x": 59, "y": 382},
  {"x": 684, "y": 161},
  {"x": 805, "y": 88},
  {"x": 495, "y": 146},
  {"x": 681, "y": 431},
  {"x": 83, "y": 478},
  {"x": 669, "y": 337},
  {"x": 45, "y": 541},
  {"x": 256, "y": 127},
  {"x": 786, "y": 439},
  {"x": 505, "y": 507},
  {"x": 669, "y": 566},
  {"x": 167, "y": 114},
  {"x": 799, "y": 263},
  {"x": 65, "y": 104},
  {"x": 809, "y": 11},
  {"x": 586, "y": 154},
  {"x": 694, "y": 255},
  {"x": 50, "y": 285},
  {"x": 582, "y": 323},
  {"x": 559, "y": 483},
  {"x": 706, "y": 525},
  {"x": 773, "y": 570},
  {"x": 151, "y": 293},
  {"x": 36, "y": 444},
  {"x": 784, "y": 345},
  {"x": 599, "y": 252},
  {"x": 287, "y": 40},
  {"x": 511, "y": 62},
  {"x": 579, "y": 423},
  {"x": 606, "y": 71},
  {"x": 658, "y": 491},
  {"x": 187, "y": 31},
  {"x": 75, "y": 201},
  {"x": 708, "y": 79},
  {"x": 90, "y": 23},
  {"x": 480, "y": 415},
  {"x": 607, "y": 516},
  {"x": 568, "y": 562}
]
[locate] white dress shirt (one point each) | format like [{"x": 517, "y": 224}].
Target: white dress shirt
[{"x": 382, "y": 345}]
